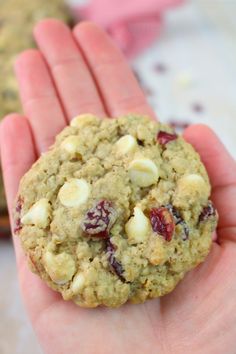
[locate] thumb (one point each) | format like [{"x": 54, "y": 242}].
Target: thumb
[{"x": 221, "y": 168}]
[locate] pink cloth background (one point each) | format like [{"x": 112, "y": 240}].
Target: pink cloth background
[{"x": 133, "y": 24}]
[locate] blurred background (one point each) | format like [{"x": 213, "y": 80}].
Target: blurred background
[{"x": 182, "y": 52}]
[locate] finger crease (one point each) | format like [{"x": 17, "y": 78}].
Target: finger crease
[
  {"x": 66, "y": 62},
  {"x": 39, "y": 98},
  {"x": 108, "y": 64},
  {"x": 131, "y": 102}
]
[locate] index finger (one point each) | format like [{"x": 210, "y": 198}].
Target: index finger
[{"x": 75, "y": 85}]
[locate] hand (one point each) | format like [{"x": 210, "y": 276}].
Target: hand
[{"x": 79, "y": 72}]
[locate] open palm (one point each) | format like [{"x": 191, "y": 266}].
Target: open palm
[{"x": 80, "y": 72}]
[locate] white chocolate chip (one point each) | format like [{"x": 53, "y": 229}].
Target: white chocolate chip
[
  {"x": 39, "y": 214},
  {"x": 82, "y": 120},
  {"x": 78, "y": 283},
  {"x": 191, "y": 188},
  {"x": 184, "y": 79},
  {"x": 143, "y": 172},
  {"x": 138, "y": 227},
  {"x": 70, "y": 144},
  {"x": 192, "y": 182},
  {"x": 74, "y": 193},
  {"x": 60, "y": 267},
  {"x": 126, "y": 144}
]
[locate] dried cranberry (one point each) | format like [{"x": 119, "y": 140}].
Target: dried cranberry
[
  {"x": 197, "y": 107},
  {"x": 19, "y": 204},
  {"x": 99, "y": 219},
  {"x": 115, "y": 265},
  {"x": 162, "y": 222},
  {"x": 17, "y": 226},
  {"x": 179, "y": 220},
  {"x": 177, "y": 217},
  {"x": 18, "y": 208},
  {"x": 207, "y": 212},
  {"x": 160, "y": 68},
  {"x": 163, "y": 137}
]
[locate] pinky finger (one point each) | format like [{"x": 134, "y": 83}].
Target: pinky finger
[
  {"x": 17, "y": 152},
  {"x": 17, "y": 156}
]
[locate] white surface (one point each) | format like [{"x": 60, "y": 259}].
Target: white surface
[
  {"x": 198, "y": 47},
  {"x": 199, "y": 55}
]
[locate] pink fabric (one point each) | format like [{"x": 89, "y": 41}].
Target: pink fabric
[{"x": 134, "y": 24}]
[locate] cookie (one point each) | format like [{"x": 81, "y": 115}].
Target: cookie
[
  {"x": 17, "y": 19},
  {"x": 117, "y": 210}
]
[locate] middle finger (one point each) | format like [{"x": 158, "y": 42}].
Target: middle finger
[{"x": 75, "y": 85}]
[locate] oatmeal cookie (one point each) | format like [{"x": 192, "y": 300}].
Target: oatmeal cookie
[{"x": 116, "y": 210}]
